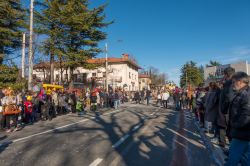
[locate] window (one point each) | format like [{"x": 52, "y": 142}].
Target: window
[
  {"x": 104, "y": 74},
  {"x": 65, "y": 77},
  {"x": 93, "y": 74},
  {"x": 129, "y": 75}
]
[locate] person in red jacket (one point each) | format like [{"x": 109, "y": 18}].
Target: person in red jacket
[{"x": 28, "y": 109}]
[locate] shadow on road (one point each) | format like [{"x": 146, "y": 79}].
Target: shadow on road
[{"x": 165, "y": 138}]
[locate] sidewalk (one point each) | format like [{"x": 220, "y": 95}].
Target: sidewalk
[{"x": 215, "y": 150}]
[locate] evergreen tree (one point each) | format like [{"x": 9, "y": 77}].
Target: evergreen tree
[
  {"x": 191, "y": 75},
  {"x": 213, "y": 63},
  {"x": 48, "y": 21},
  {"x": 12, "y": 20},
  {"x": 82, "y": 32},
  {"x": 73, "y": 31}
]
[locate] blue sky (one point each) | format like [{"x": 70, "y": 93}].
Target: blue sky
[{"x": 167, "y": 33}]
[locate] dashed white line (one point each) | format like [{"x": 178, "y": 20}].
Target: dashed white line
[
  {"x": 120, "y": 141},
  {"x": 96, "y": 162},
  {"x": 137, "y": 127}
]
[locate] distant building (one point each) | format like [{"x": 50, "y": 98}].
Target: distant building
[
  {"x": 216, "y": 72},
  {"x": 122, "y": 72},
  {"x": 144, "y": 81}
]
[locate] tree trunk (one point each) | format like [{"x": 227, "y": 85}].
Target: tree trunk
[
  {"x": 1, "y": 55},
  {"x": 52, "y": 67},
  {"x": 71, "y": 81}
]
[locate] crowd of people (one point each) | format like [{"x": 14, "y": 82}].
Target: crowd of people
[
  {"x": 223, "y": 110},
  {"x": 18, "y": 109}
]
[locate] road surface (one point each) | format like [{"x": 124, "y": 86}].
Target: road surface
[{"x": 134, "y": 135}]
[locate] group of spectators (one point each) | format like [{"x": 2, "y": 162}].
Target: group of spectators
[
  {"x": 18, "y": 109},
  {"x": 223, "y": 110}
]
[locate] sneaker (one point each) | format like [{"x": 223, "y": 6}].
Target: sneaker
[
  {"x": 215, "y": 141},
  {"x": 8, "y": 130}
]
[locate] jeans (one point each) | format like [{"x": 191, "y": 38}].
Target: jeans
[
  {"x": 239, "y": 151},
  {"x": 148, "y": 100},
  {"x": 177, "y": 105},
  {"x": 116, "y": 104}
]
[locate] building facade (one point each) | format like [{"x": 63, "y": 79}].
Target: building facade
[
  {"x": 122, "y": 73},
  {"x": 144, "y": 81},
  {"x": 216, "y": 72}
]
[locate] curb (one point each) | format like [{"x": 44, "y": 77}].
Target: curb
[{"x": 215, "y": 151}]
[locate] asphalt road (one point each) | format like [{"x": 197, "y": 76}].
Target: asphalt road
[{"x": 134, "y": 135}]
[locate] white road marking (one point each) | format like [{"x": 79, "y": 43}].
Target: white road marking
[
  {"x": 137, "y": 127},
  {"x": 120, "y": 141},
  {"x": 65, "y": 126},
  {"x": 96, "y": 162}
]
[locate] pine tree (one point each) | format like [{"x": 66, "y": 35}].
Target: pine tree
[
  {"x": 82, "y": 32},
  {"x": 191, "y": 75},
  {"x": 48, "y": 21},
  {"x": 73, "y": 31},
  {"x": 12, "y": 20}
]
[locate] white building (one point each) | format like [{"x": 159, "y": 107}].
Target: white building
[
  {"x": 122, "y": 72},
  {"x": 218, "y": 71}
]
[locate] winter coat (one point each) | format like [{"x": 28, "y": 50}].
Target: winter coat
[
  {"x": 28, "y": 107},
  {"x": 55, "y": 99},
  {"x": 137, "y": 96},
  {"x": 225, "y": 97},
  {"x": 165, "y": 96},
  {"x": 212, "y": 105},
  {"x": 240, "y": 115}
]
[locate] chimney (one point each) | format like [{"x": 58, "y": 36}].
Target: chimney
[{"x": 125, "y": 56}]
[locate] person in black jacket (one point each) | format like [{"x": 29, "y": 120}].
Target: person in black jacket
[
  {"x": 240, "y": 122},
  {"x": 224, "y": 101}
]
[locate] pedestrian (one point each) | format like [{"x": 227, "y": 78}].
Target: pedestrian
[
  {"x": 239, "y": 151},
  {"x": 116, "y": 99},
  {"x": 28, "y": 109},
  {"x": 176, "y": 97},
  {"x": 72, "y": 101},
  {"x": 55, "y": 101},
  {"x": 226, "y": 96},
  {"x": 137, "y": 97},
  {"x": 165, "y": 97},
  {"x": 148, "y": 96},
  {"x": 212, "y": 108},
  {"x": 159, "y": 98}
]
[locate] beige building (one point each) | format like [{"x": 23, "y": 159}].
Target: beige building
[
  {"x": 122, "y": 72},
  {"x": 144, "y": 81}
]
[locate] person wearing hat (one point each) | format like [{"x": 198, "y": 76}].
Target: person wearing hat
[
  {"x": 10, "y": 110},
  {"x": 28, "y": 109}
]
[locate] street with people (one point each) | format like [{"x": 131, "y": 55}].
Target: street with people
[{"x": 124, "y": 83}]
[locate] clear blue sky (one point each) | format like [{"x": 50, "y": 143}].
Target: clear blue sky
[{"x": 168, "y": 33}]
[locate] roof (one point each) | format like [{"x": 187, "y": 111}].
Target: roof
[
  {"x": 124, "y": 59},
  {"x": 113, "y": 60},
  {"x": 144, "y": 76}
]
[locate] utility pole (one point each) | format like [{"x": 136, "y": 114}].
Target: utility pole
[
  {"x": 186, "y": 79},
  {"x": 31, "y": 46},
  {"x": 23, "y": 56},
  {"x": 106, "y": 48}
]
